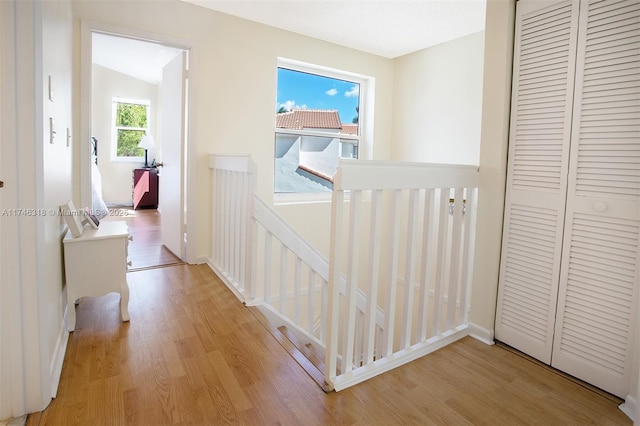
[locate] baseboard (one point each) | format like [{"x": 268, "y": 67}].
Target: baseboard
[
  {"x": 480, "y": 333},
  {"x": 201, "y": 260},
  {"x": 55, "y": 369},
  {"x": 629, "y": 408}
]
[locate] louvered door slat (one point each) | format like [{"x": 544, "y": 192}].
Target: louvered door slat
[{"x": 599, "y": 276}]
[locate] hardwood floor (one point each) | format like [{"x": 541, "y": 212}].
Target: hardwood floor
[
  {"x": 193, "y": 354},
  {"x": 146, "y": 249}
]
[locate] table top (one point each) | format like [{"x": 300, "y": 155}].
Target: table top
[{"x": 106, "y": 229}]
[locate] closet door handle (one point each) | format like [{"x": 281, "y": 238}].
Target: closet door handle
[{"x": 599, "y": 206}]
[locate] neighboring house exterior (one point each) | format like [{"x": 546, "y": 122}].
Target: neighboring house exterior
[{"x": 306, "y": 163}]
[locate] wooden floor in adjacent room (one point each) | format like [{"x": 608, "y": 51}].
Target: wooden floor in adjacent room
[
  {"x": 193, "y": 354},
  {"x": 146, "y": 249}
]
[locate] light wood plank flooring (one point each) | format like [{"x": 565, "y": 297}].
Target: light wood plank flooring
[
  {"x": 193, "y": 354},
  {"x": 146, "y": 249}
]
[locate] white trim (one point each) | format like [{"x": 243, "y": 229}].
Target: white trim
[
  {"x": 480, "y": 333},
  {"x": 286, "y": 198},
  {"x": 365, "y": 122},
  {"x": 87, "y": 27},
  {"x": 629, "y": 407},
  {"x": 402, "y": 357},
  {"x": 55, "y": 369}
]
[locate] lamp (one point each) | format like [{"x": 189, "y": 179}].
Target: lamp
[{"x": 146, "y": 143}]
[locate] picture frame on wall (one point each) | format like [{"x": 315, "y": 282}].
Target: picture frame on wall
[{"x": 72, "y": 218}]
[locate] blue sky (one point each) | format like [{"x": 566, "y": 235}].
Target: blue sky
[{"x": 300, "y": 90}]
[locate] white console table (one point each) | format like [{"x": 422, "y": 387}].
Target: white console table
[{"x": 96, "y": 264}]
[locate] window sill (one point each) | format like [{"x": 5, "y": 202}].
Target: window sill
[
  {"x": 128, "y": 160},
  {"x": 284, "y": 198}
]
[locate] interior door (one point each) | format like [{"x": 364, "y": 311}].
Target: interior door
[
  {"x": 599, "y": 279},
  {"x": 544, "y": 68},
  {"x": 171, "y": 182}
]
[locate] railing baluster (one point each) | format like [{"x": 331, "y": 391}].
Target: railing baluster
[
  {"x": 372, "y": 279},
  {"x": 441, "y": 260},
  {"x": 253, "y": 265},
  {"x": 297, "y": 283},
  {"x": 353, "y": 263},
  {"x": 267, "y": 265},
  {"x": 427, "y": 263},
  {"x": 407, "y": 314},
  {"x": 392, "y": 274},
  {"x": 215, "y": 206},
  {"x": 333, "y": 302},
  {"x": 311, "y": 317},
  {"x": 467, "y": 252},
  {"x": 234, "y": 230},
  {"x": 242, "y": 227},
  {"x": 357, "y": 353},
  {"x": 324, "y": 310},
  {"x": 454, "y": 262},
  {"x": 283, "y": 277}
]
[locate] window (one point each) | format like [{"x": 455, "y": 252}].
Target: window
[
  {"x": 319, "y": 119},
  {"x": 131, "y": 122}
]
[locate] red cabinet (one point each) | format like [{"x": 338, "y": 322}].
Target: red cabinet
[{"x": 145, "y": 188}]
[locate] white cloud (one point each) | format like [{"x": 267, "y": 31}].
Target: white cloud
[
  {"x": 332, "y": 92},
  {"x": 353, "y": 92},
  {"x": 290, "y": 104}
]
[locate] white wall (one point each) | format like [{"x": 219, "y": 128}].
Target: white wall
[
  {"x": 56, "y": 172},
  {"x": 37, "y": 43},
  {"x": 437, "y": 103},
  {"x": 107, "y": 84},
  {"x": 233, "y": 76}
]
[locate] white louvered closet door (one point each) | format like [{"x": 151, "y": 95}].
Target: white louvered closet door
[
  {"x": 544, "y": 69},
  {"x": 599, "y": 277},
  {"x": 569, "y": 278}
]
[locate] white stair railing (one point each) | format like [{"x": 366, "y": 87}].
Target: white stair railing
[
  {"x": 234, "y": 184},
  {"x": 336, "y": 305},
  {"x": 417, "y": 266}
]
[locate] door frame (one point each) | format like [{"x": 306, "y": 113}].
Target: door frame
[{"x": 82, "y": 176}]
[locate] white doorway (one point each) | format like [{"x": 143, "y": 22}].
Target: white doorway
[{"x": 121, "y": 65}]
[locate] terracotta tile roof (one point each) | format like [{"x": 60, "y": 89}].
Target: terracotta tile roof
[
  {"x": 308, "y": 119},
  {"x": 349, "y": 129}
]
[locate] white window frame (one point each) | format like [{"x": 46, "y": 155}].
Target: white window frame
[
  {"x": 114, "y": 129},
  {"x": 363, "y": 139}
]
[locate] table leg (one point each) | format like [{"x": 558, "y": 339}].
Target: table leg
[{"x": 124, "y": 301}]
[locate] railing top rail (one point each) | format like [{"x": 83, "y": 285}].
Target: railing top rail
[
  {"x": 232, "y": 162},
  {"x": 370, "y": 174}
]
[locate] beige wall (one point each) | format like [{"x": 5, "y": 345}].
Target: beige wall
[
  {"x": 233, "y": 75},
  {"x": 437, "y": 103},
  {"x": 493, "y": 160},
  {"x": 107, "y": 84}
]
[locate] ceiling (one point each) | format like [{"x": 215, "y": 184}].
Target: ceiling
[
  {"x": 139, "y": 59},
  {"x": 388, "y": 28}
]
